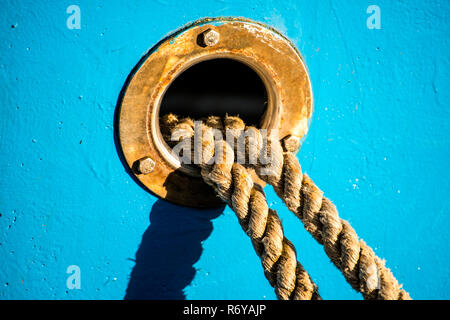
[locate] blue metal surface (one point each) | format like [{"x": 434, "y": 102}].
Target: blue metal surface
[{"x": 378, "y": 146}]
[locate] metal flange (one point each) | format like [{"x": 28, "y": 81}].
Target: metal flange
[{"x": 273, "y": 57}]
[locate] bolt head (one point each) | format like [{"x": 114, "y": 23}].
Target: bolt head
[
  {"x": 146, "y": 165},
  {"x": 291, "y": 143},
  {"x": 210, "y": 37}
]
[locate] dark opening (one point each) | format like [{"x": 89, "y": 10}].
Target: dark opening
[{"x": 217, "y": 87}]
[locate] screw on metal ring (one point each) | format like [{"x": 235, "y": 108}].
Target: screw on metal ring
[
  {"x": 145, "y": 165},
  {"x": 209, "y": 38},
  {"x": 291, "y": 143}
]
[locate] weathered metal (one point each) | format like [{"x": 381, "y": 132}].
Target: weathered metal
[
  {"x": 267, "y": 52},
  {"x": 291, "y": 143},
  {"x": 210, "y": 38},
  {"x": 145, "y": 165}
]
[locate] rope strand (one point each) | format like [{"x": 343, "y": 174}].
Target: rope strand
[
  {"x": 235, "y": 186},
  {"x": 362, "y": 269}
]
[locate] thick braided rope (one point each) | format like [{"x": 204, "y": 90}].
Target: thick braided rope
[
  {"x": 234, "y": 185},
  {"x": 362, "y": 269}
]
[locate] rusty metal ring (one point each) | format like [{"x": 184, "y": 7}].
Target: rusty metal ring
[{"x": 267, "y": 52}]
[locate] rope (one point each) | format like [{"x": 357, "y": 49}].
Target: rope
[
  {"x": 235, "y": 186},
  {"x": 362, "y": 269}
]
